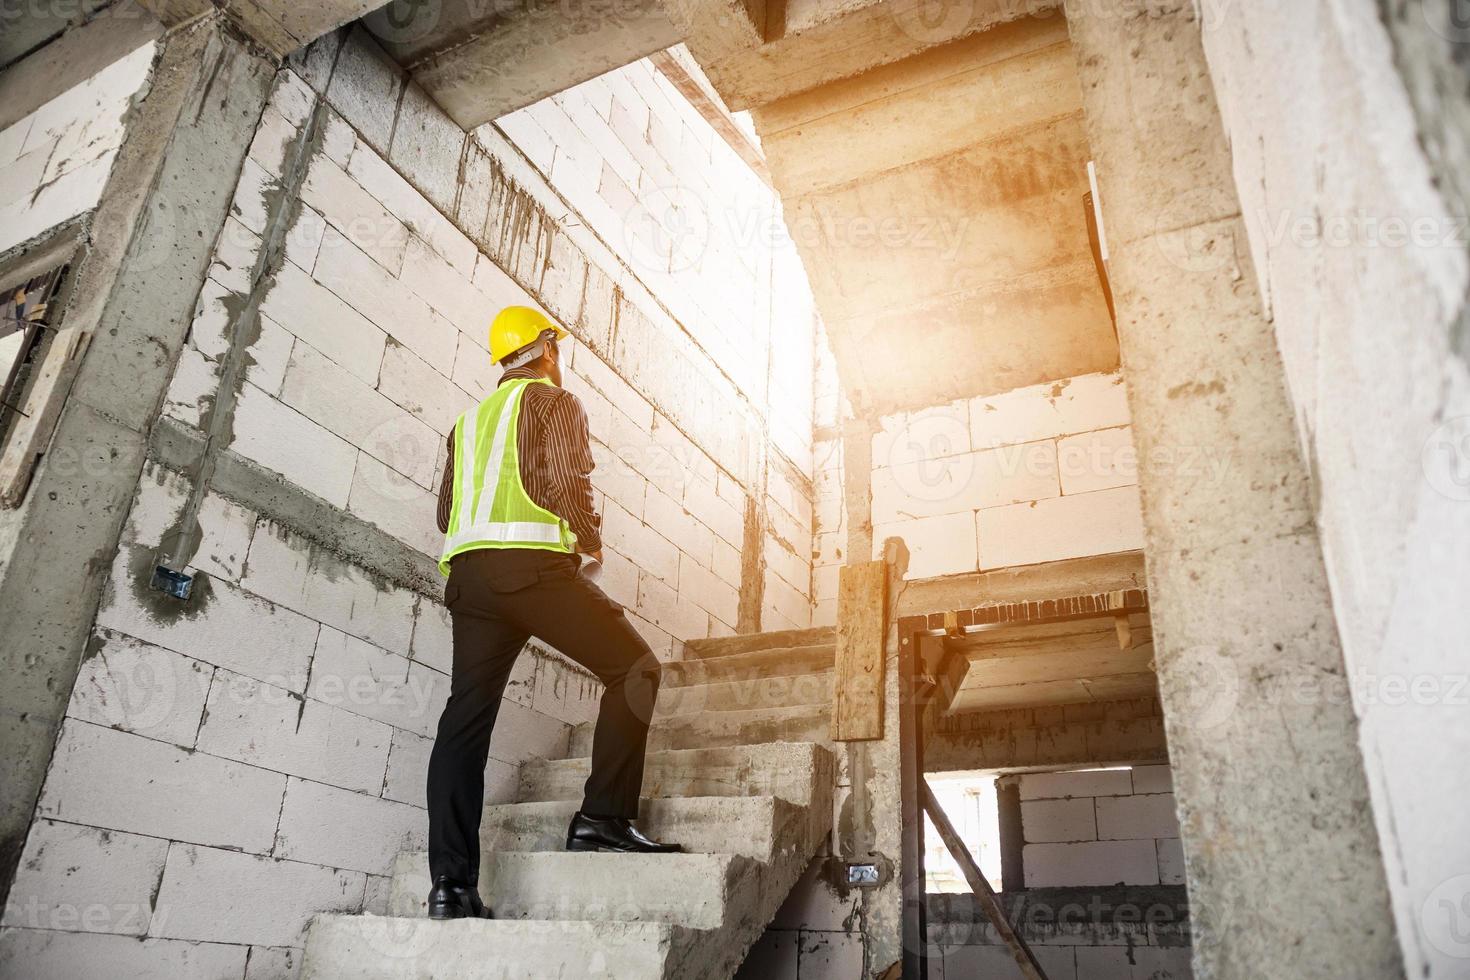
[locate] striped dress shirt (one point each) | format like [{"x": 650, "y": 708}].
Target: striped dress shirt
[{"x": 555, "y": 455}]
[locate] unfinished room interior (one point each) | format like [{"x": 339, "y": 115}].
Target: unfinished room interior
[{"x": 1031, "y": 442}]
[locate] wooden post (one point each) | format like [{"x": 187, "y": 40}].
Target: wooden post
[
  {"x": 862, "y": 630},
  {"x": 984, "y": 894}
]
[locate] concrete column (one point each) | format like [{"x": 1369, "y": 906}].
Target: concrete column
[
  {"x": 137, "y": 279},
  {"x": 1284, "y": 871}
]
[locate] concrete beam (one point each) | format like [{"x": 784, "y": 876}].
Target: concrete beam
[
  {"x": 481, "y": 61},
  {"x": 1282, "y": 856},
  {"x": 809, "y": 43},
  {"x": 136, "y": 284},
  {"x": 1100, "y": 734},
  {"x": 280, "y": 26}
]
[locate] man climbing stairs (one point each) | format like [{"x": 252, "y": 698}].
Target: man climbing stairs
[{"x": 737, "y": 773}]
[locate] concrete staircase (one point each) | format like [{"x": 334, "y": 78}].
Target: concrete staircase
[{"x": 736, "y": 773}]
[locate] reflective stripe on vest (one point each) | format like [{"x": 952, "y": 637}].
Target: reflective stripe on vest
[{"x": 490, "y": 507}]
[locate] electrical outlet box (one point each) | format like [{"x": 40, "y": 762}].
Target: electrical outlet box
[{"x": 862, "y": 875}]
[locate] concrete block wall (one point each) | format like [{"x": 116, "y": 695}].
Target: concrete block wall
[
  {"x": 1038, "y": 474},
  {"x": 1363, "y": 267},
  {"x": 1100, "y": 827},
  {"x": 229, "y": 767},
  {"x": 55, "y": 160}
]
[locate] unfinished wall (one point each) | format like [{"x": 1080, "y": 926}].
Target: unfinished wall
[
  {"x": 230, "y": 765},
  {"x": 1362, "y": 267},
  {"x": 1098, "y": 844},
  {"x": 1034, "y": 475}
]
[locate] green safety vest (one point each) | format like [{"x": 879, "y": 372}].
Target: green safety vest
[{"x": 490, "y": 507}]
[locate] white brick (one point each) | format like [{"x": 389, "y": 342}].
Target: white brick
[
  {"x": 44, "y": 955},
  {"x": 314, "y": 313},
  {"x": 64, "y": 198},
  {"x": 416, "y": 386},
  {"x": 370, "y": 681},
  {"x": 1171, "y": 860},
  {"x": 612, "y": 387},
  {"x": 137, "y": 687},
  {"x": 640, "y": 544},
  {"x": 304, "y": 238},
  {"x": 497, "y": 285},
  {"x": 266, "y": 726},
  {"x": 292, "y": 571},
  {"x": 661, "y": 643},
  {"x": 927, "y": 434},
  {"x": 266, "y": 902},
  {"x": 429, "y": 145},
  {"x": 618, "y": 578},
  {"x": 365, "y": 87},
  {"x": 284, "y": 962},
  {"x": 618, "y": 480},
  {"x": 282, "y": 439},
  {"x": 1153, "y": 779},
  {"x": 703, "y": 501},
  {"x": 794, "y": 605},
  {"x": 1044, "y": 821},
  {"x": 190, "y": 391},
  {"x": 1134, "y": 817},
  {"x": 329, "y": 395},
  {"x": 795, "y": 569},
  {"x": 937, "y": 545},
  {"x": 669, "y": 518},
  {"x": 378, "y": 295},
  {"x": 341, "y": 829},
  {"x": 727, "y": 563},
  {"x": 1080, "y": 404},
  {"x": 187, "y": 796},
  {"x": 396, "y": 504},
  {"x": 824, "y": 582},
  {"x": 408, "y": 769},
  {"x": 1097, "y": 460},
  {"x": 1098, "y": 523},
  {"x": 82, "y": 878},
  {"x": 671, "y": 612},
  {"x": 231, "y": 628},
  {"x": 1068, "y": 785},
  {"x": 355, "y": 213},
  {"x": 433, "y": 637},
  {"x": 474, "y": 372},
  {"x": 522, "y": 733},
  {"x": 269, "y": 355},
  {"x": 708, "y": 590},
  {"x": 227, "y": 529},
  {"x": 989, "y": 478},
  {"x": 404, "y": 201},
  {"x": 447, "y": 289},
  {"x": 1128, "y": 862}
]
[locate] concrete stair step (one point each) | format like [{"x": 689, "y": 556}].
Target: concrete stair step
[
  {"x": 745, "y": 694},
  {"x": 374, "y": 947},
  {"x": 780, "y": 661},
  {"x": 788, "y": 770},
  {"x": 747, "y": 825},
  {"x": 723, "y": 646},
  {"x": 802, "y": 723},
  {"x": 683, "y": 889}
]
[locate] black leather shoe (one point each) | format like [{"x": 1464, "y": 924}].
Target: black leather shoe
[
  {"x": 615, "y": 834},
  {"x": 451, "y": 900}
]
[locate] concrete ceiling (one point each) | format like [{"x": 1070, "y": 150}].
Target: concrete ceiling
[
  {"x": 1028, "y": 665},
  {"x": 938, "y": 203}
]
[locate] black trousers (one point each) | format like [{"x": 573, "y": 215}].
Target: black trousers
[{"x": 497, "y": 599}]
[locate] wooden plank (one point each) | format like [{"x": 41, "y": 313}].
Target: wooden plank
[
  {"x": 862, "y": 629},
  {"x": 984, "y": 894}
]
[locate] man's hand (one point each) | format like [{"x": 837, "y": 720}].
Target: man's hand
[{"x": 595, "y": 556}]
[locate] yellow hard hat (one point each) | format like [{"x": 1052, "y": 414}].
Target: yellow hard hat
[{"x": 516, "y": 326}]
